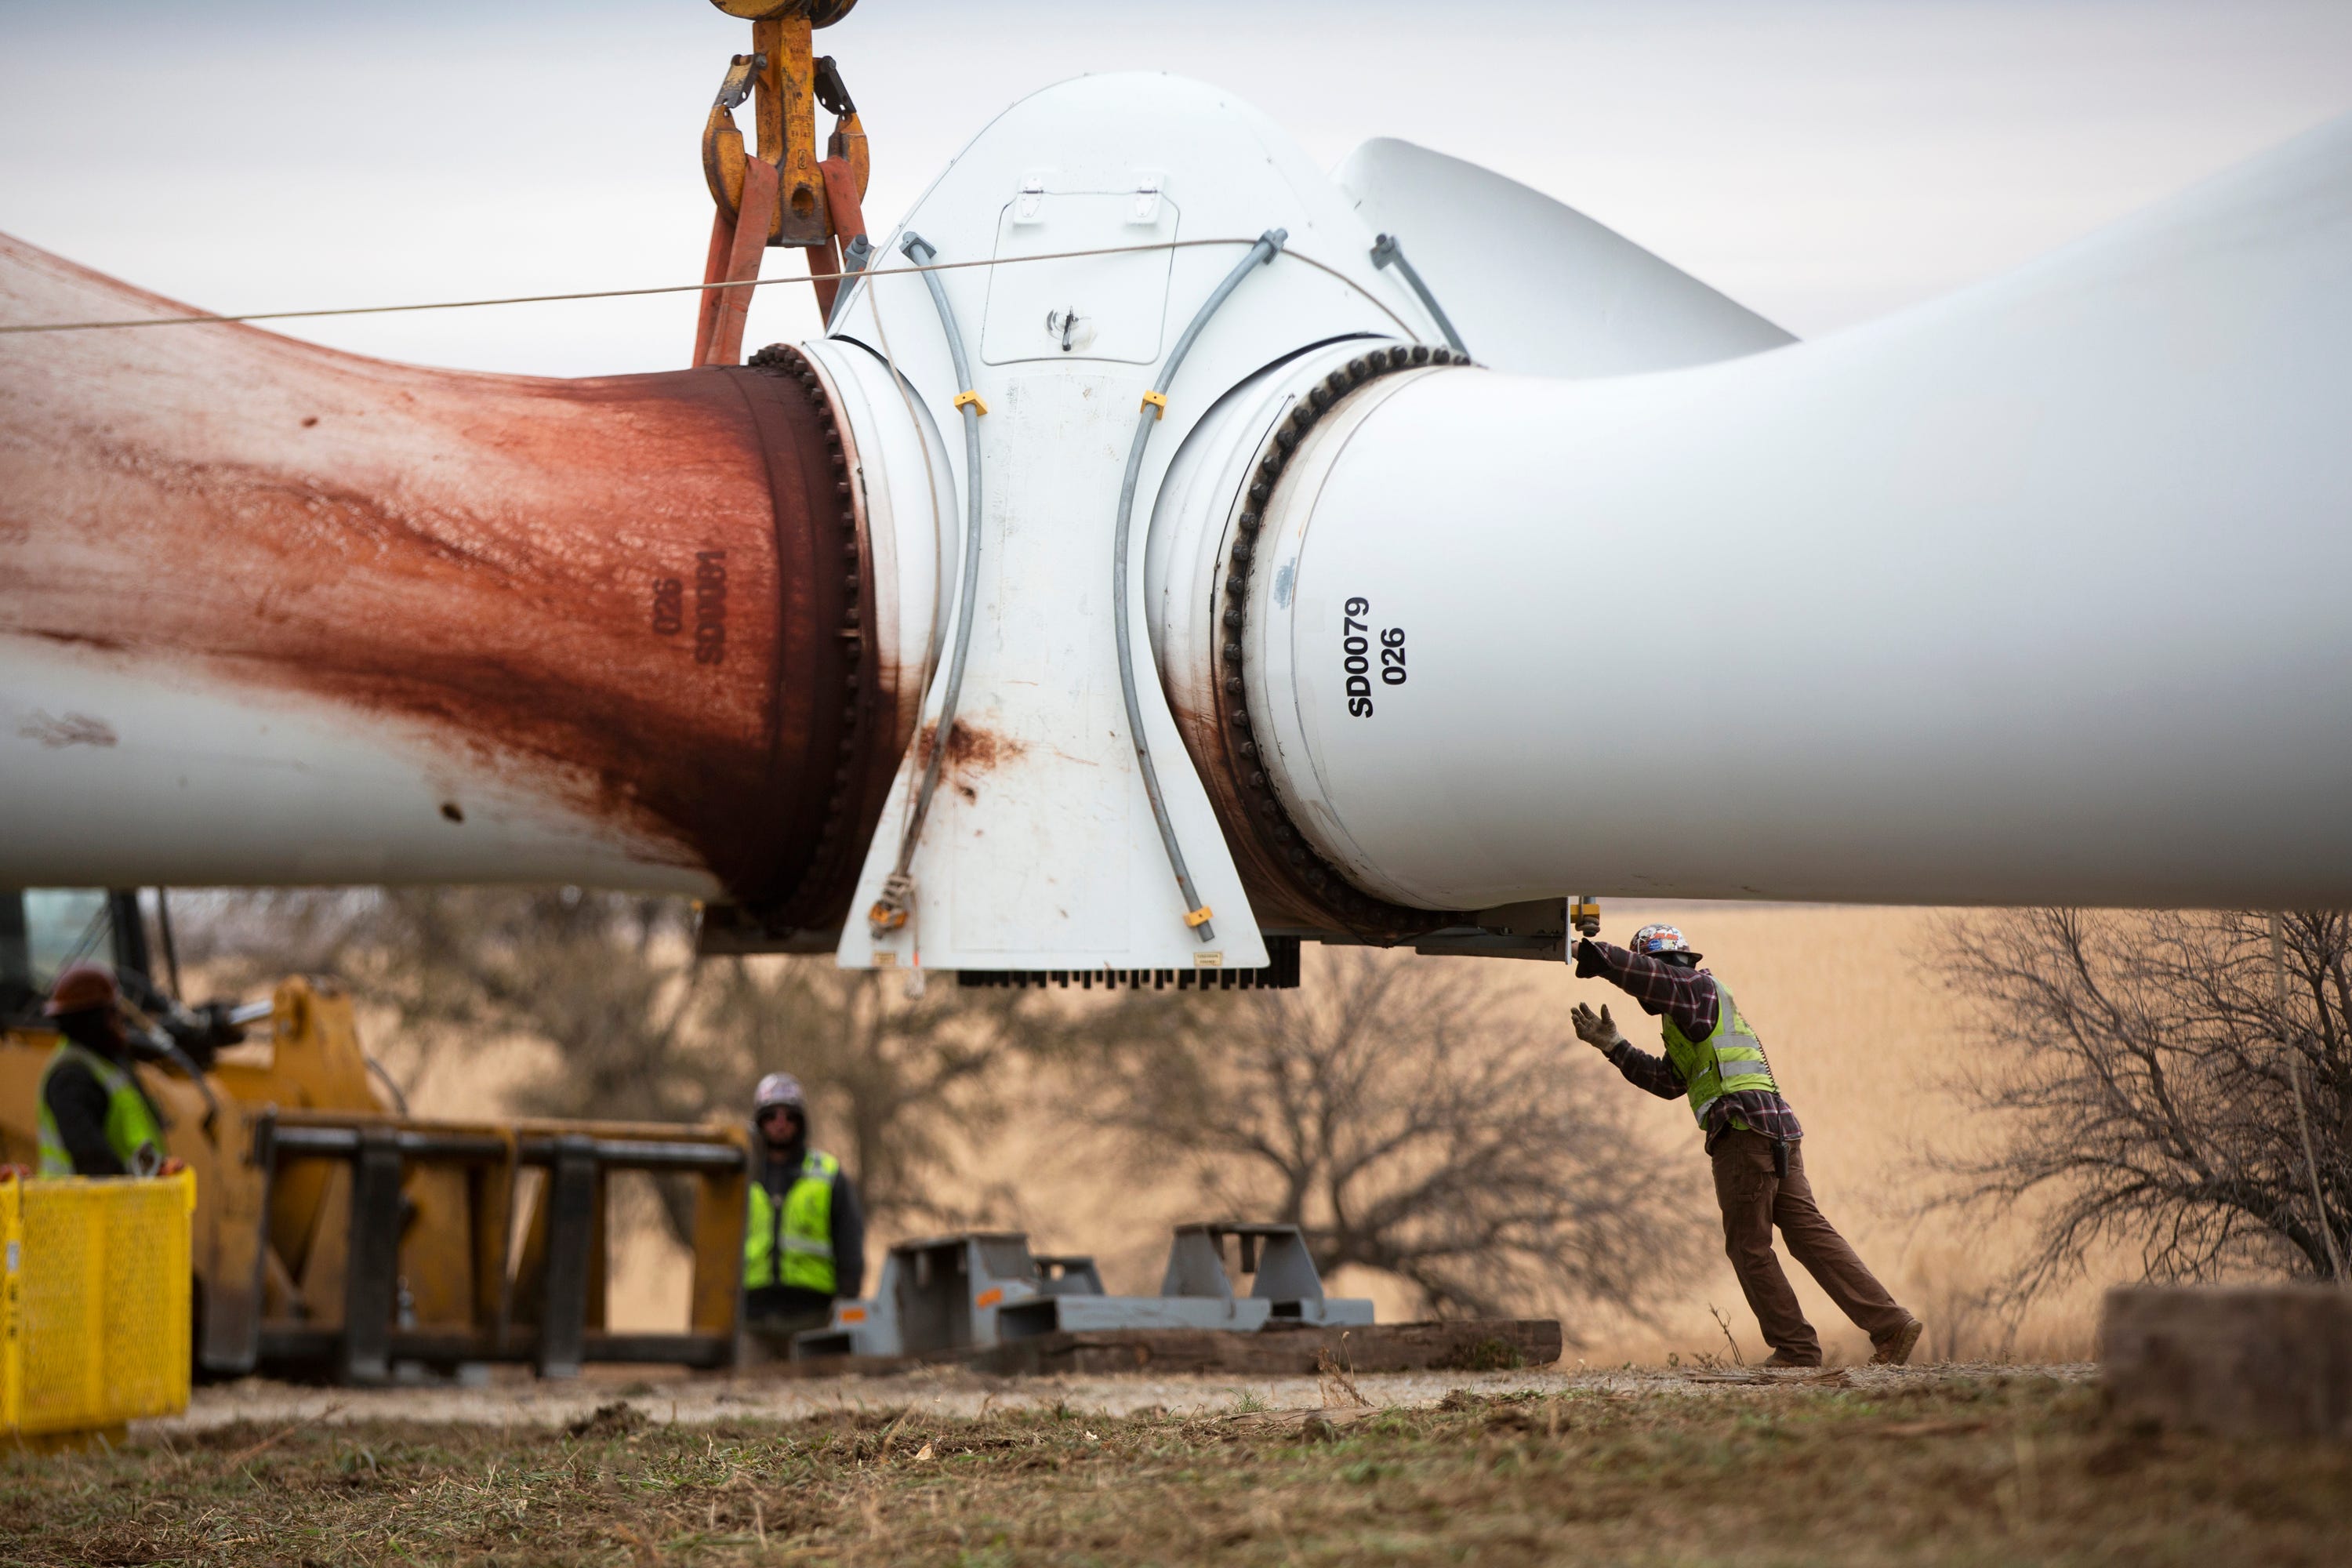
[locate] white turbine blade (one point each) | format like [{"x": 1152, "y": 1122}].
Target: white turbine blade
[
  {"x": 2035, "y": 593},
  {"x": 1536, "y": 287}
]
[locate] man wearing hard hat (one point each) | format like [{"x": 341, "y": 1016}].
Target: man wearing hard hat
[
  {"x": 804, "y": 1244},
  {"x": 95, "y": 1119},
  {"x": 1714, "y": 1058}
]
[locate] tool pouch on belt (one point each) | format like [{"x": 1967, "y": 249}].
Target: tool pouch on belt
[{"x": 1779, "y": 1159}]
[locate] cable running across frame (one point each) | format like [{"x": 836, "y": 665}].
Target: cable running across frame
[
  {"x": 896, "y": 906},
  {"x": 1148, "y": 416},
  {"x": 849, "y": 277}
]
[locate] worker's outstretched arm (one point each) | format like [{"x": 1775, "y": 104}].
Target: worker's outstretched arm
[
  {"x": 1685, "y": 996},
  {"x": 849, "y": 1239},
  {"x": 1641, "y": 1069}
]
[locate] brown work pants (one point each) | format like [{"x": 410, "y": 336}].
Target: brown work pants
[{"x": 1754, "y": 1200}]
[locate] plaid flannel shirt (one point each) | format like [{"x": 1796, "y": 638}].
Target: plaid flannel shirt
[{"x": 1688, "y": 997}]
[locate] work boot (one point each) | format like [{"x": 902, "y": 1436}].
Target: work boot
[
  {"x": 1783, "y": 1359},
  {"x": 1895, "y": 1348}
]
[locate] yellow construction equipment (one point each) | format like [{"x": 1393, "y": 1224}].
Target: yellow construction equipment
[{"x": 334, "y": 1234}]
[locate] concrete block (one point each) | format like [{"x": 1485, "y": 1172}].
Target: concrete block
[{"x": 2249, "y": 1360}]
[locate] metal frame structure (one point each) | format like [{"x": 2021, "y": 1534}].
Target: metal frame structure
[
  {"x": 519, "y": 1264},
  {"x": 942, "y": 1295}
]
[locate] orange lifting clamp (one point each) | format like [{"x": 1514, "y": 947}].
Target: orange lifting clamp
[{"x": 781, "y": 193}]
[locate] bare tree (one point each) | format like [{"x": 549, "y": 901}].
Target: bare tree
[
  {"x": 642, "y": 1030},
  {"x": 1396, "y": 1112},
  {"x": 603, "y": 978},
  {"x": 2154, "y": 1087}
]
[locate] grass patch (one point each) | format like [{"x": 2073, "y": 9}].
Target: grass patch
[
  {"x": 2000, "y": 1469},
  {"x": 1488, "y": 1354}
]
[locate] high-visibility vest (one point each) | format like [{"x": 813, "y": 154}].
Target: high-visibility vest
[
  {"x": 799, "y": 1231},
  {"x": 131, "y": 1123},
  {"x": 1730, "y": 1057}
]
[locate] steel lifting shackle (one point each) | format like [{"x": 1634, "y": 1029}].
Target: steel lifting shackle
[
  {"x": 793, "y": 197},
  {"x": 783, "y": 70}
]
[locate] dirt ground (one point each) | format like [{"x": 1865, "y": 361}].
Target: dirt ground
[
  {"x": 514, "y": 1398},
  {"x": 1930, "y": 1466}
]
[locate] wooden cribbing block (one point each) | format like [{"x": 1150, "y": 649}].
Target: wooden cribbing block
[
  {"x": 1486, "y": 1345},
  {"x": 2272, "y": 1360}
]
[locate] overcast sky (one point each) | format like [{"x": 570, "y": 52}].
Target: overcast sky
[{"x": 1822, "y": 162}]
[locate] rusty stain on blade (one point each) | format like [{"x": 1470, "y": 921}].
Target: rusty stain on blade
[{"x": 641, "y": 596}]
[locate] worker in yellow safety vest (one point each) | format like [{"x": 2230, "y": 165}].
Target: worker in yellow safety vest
[
  {"x": 804, "y": 1243},
  {"x": 1715, "y": 1060},
  {"x": 95, "y": 1119}
]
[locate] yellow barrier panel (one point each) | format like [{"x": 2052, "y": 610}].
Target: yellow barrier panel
[{"x": 94, "y": 1287}]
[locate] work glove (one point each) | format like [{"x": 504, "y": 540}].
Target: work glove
[
  {"x": 1589, "y": 961},
  {"x": 1598, "y": 1030}
]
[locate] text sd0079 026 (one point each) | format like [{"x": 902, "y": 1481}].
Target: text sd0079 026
[{"x": 1356, "y": 656}]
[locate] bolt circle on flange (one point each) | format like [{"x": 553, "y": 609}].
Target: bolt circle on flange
[{"x": 851, "y": 798}]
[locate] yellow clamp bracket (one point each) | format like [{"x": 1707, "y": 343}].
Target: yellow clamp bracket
[
  {"x": 885, "y": 917},
  {"x": 972, "y": 398},
  {"x": 1157, "y": 403},
  {"x": 1199, "y": 917}
]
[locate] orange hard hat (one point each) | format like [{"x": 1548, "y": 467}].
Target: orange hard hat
[{"x": 79, "y": 988}]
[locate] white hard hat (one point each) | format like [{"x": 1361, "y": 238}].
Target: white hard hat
[{"x": 779, "y": 1089}]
